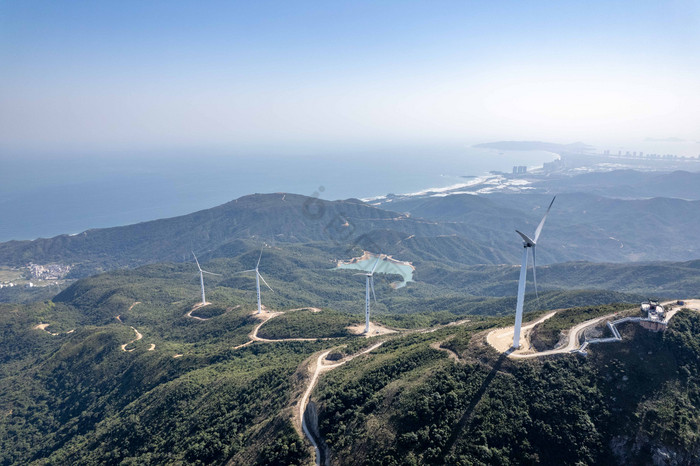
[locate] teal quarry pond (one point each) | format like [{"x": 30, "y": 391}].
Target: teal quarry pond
[{"x": 386, "y": 265}]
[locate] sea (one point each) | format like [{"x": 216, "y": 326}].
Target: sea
[{"x": 45, "y": 196}]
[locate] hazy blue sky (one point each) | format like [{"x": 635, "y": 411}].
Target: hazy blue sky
[{"x": 83, "y": 76}]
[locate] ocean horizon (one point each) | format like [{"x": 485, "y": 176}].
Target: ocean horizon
[{"x": 45, "y": 198}]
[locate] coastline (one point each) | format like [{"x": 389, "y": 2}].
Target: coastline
[{"x": 491, "y": 182}]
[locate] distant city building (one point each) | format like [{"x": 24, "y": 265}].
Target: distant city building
[
  {"x": 519, "y": 169},
  {"x": 554, "y": 165}
]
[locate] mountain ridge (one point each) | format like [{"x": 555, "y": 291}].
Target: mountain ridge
[{"x": 460, "y": 228}]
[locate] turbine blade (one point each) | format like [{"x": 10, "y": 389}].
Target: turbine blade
[
  {"x": 527, "y": 240},
  {"x": 211, "y": 273},
  {"x": 244, "y": 271},
  {"x": 195, "y": 259},
  {"x": 261, "y": 250},
  {"x": 263, "y": 280},
  {"x": 539, "y": 227},
  {"x": 371, "y": 284},
  {"x": 376, "y": 264},
  {"x": 534, "y": 271}
]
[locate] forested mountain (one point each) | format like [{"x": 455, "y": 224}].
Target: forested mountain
[
  {"x": 631, "y": 403},
  {"x": 580, "y": 227},
  {"x": 461, "y": 229},
  {"x": 269, "y": 217},
  {"x": 85, "y": 389}
]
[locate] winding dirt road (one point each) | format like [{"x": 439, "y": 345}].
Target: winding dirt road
[
  {"x": 194, "y": 308},
  {"x": 266, "y": 315},
  {"x": 132, "y": 306},
  {"x": 200, "y": 305},
  {"x": 502, "y": 339},
  {"x": 452, "y": 355},
  {"x": 321, "y": 366},
  {"x": 572, "y": 340},
  {"x": 138, "y": 337},
  {"x": 44, "y": 326}
]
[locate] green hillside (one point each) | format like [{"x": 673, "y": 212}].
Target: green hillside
[
  {"x": 625, "y": 404},
  {"x": 85, "y": 390}
]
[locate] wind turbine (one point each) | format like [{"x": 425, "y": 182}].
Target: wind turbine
[
  {"x": 201, "y": 277},
  {"x": 528, "y": 243},
  {"x": 258, "y": 277},
  {"x": 370, "y": 284}
]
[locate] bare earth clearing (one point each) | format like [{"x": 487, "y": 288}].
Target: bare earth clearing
[
  {"x": 374, "y": 330},
  {"x": 693, "y": 304},
  {"x": 502, "y": 338}
]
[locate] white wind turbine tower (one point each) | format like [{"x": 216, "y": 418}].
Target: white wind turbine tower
[
  {"x": 201, "y": 277},
  {"x": 527, "y": 244},
  {"x": 370, "y": 284},
  {"x": 258, "y": 277}
]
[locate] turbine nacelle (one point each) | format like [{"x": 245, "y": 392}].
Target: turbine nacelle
[{"x": 528, "y": 243}]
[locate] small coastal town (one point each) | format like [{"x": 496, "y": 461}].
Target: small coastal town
[{"x": 33, "y": 275}]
